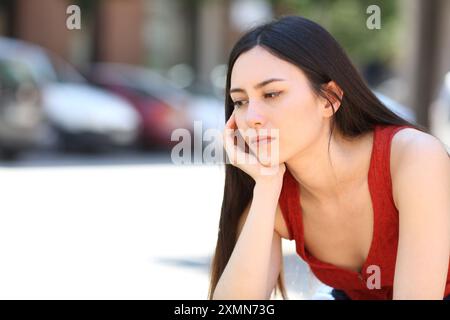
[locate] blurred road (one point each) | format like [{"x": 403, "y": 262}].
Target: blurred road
[{"x": 127, "y": 225}]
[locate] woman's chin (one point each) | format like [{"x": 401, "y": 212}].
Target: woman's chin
[
  {"x": 267, "y": 154},
  {"x": 268, "y": 161}
]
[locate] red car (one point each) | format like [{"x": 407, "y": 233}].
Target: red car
[{"x": 162, "y": 107}]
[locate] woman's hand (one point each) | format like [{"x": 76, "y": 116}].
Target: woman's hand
[{"x": 248, "y": 162}]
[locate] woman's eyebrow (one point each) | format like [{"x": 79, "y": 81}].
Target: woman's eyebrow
[{"x": 257, "y": 86}]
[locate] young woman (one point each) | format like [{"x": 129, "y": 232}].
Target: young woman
[{"x": 364, "y": 193}]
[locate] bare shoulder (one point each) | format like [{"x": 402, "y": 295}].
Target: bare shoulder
[
  {"x": 409, "y": 142},
  {"x": 412, "y": 149}
]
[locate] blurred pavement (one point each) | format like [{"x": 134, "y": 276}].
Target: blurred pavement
[{"x": 122, "y": 226}]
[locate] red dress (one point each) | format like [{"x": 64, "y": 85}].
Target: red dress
[{"x": 383, "y": 249}]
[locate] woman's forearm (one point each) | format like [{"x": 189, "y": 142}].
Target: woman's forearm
[{"x": 246, "y": 272}]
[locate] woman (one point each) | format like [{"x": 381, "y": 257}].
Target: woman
[{"x": 363, "y": 192}]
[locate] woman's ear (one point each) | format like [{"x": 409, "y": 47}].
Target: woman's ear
[{"x": 334, "y": 95}]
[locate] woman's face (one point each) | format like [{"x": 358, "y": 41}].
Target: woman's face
[{"x": 271, "y": 93}]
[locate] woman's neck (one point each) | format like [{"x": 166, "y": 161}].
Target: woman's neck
[{"x": 327, "y": 177}]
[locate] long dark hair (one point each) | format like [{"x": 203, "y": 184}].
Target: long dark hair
[{"x": 310, "y": 47}]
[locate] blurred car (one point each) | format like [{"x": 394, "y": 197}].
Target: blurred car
[
  {"x": 162, "y": 106},
  {"x": 78, "y": 115},
  {"x": 89, "y": 119},
  {"x": 20, "y": 109},
  {"x": 440, "y": 113}
]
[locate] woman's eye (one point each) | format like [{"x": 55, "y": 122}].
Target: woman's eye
[
  {"x": 272, "y": 94},
  {"x": 238, "y": 103}
]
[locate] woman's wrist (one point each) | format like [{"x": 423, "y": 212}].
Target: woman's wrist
[
  {"x": 268, "y": 186},
  {"x": 270, "y": 180}
]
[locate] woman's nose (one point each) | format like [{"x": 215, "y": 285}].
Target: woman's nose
[{"x": 254, "y": 116}]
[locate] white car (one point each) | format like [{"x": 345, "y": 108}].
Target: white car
[
  {"x": 87, "y": 117},
  {"x": 81, "y": 115}
]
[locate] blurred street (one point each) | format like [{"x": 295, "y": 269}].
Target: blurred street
[{"x": 117, "y": 226}]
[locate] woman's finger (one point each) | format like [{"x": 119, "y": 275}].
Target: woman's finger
[
  {"x": 228, "y": 143},
  {"x": 231, "y": 122},
  {"x": 236, "y": 153}
]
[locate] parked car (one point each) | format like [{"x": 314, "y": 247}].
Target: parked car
[
  {"x": 21, "y": 114},
  {"x": 77, "y": 114},
  {"x": 89, "y": 119},
  {"x": 162, "y": 106},
  {"x": 440, "y": 113}
]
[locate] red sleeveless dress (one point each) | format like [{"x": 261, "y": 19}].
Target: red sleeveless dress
[{"x": 383, "y": 249}]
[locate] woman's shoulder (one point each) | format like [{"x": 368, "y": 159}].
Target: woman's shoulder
[
  {"x": 409, "y": 141},
  {"x": 412, "y": 148}
]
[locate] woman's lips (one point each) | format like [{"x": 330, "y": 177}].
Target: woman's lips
[{"x": 261, "y": 140}]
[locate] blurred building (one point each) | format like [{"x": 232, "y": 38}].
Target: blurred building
[
  {"x": 190, "y": 38},
  {"x": 110, "y": 30},
  {"x": 158, "y": 33},
  {"x": 426, "y": 53}
]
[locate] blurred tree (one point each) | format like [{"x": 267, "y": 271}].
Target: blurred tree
[{"x": 346, "y": 21}]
